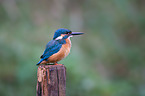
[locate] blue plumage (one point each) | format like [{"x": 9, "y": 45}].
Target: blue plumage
[
  {"x": 60, "y": 31},
  {"x": 55, "y": 45},
  {"x": 52, "y": 47}
]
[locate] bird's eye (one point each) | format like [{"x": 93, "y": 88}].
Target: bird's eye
[{"x": 68, "y": 32}]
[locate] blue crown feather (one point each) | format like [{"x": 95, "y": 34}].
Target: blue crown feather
[{"x": 60, "y": 31}]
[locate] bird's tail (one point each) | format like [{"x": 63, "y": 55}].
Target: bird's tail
[{"x": 39, "y": 62}]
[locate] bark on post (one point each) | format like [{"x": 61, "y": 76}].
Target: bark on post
[{"x": 51, "y": 80}]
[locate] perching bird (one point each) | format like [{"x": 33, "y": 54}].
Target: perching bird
[{"x": 59, "y": 47}]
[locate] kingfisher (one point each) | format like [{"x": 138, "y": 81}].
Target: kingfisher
[{"x": 59, "y": 47}]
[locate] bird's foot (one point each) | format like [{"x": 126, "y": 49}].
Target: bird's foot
[
  {"x": 49, "y": 63},
  {"x": 57, "y": 64}
]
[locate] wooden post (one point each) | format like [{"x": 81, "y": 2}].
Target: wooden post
[{"x": 51, "y": 80}]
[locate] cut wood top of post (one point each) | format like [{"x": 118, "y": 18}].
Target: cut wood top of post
[
  {"x": 43, "y": 68},
  {"x": 51, "y": 66},
  {"x": 51, "y": 80}
]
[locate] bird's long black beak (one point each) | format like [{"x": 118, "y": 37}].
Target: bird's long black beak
[{"x": 77, "y": 33}]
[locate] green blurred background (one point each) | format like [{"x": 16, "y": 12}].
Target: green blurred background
[{"x": 108, "y": 60}]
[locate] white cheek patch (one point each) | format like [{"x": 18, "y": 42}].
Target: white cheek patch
[{"x": 58, "y": 38}]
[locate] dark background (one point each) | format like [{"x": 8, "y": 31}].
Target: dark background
[{"x": 108, "y": 60}]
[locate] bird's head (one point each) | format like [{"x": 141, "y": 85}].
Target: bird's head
[{"x": 60, "y": 33}]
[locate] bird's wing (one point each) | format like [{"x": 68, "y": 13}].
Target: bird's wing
[{"x": 52, "y": 47}]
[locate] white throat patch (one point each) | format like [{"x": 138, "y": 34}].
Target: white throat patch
[{"x": 70, "y": 36}]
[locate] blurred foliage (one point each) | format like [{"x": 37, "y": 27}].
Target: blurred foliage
[{"x": 107, "y": 61}]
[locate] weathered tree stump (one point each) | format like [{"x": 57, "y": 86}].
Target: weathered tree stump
[{"x": 51, "y": 80}]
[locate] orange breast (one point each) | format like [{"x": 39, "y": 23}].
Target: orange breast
[{"x": 62, "y": 53}]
